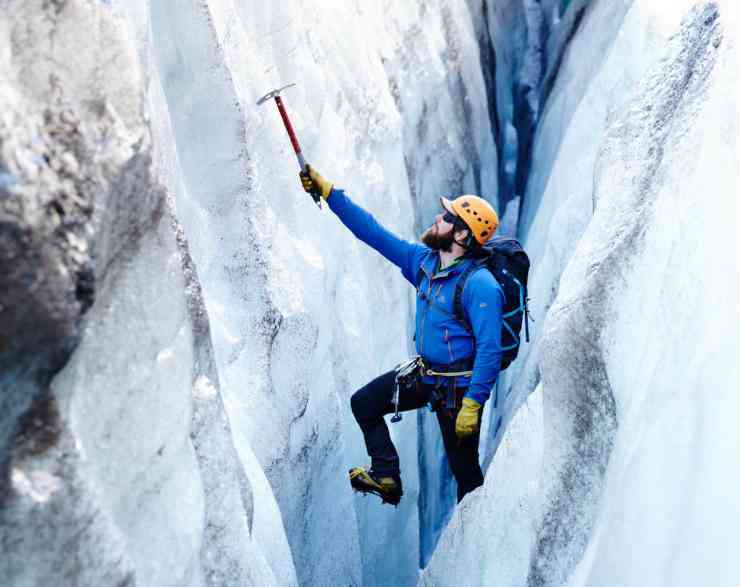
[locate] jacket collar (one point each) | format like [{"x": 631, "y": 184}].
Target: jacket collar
[{"x": 431, "y": 262}]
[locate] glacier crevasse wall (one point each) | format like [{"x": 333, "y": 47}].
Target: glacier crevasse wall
[
  {"x": 203, "y": 323},
  {"x": 621, "y": 448},
  {"x": 109, "y": 474}
]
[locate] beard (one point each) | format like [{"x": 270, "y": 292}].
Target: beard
[{"x": 436, "y": 241}]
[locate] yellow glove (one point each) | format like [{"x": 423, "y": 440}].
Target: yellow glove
[
  {"x": 313, "y": 183},
  {"x": 467, "y": 418}
]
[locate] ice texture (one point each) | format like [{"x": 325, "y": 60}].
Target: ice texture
[
  {"x": 527, "y": 41},
  {"x": 489, "y": 540},
  {"x": 181, "y": 328},
  {"x": 118, "y": 465},
  {"x": 622, "y": 475},
  {"x": 187, "y": 326},
  {"x": 303, "y": 315}
]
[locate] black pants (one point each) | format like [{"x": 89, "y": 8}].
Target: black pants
[{"x": 373, "y": 401}]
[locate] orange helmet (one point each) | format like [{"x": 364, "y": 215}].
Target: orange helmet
[{"x": 478, "y": 215}]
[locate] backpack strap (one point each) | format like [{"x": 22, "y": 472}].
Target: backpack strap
[
  {"x": 459, "y": 311},
  {"x": 457, "y": 306},
  {"x": 520, "y": 309}
]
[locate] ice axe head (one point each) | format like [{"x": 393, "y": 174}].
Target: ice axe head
[
  {"x": 272, "y": 94},
  {"x": 286, "y": 121}
]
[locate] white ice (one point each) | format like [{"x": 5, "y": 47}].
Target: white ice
[
  {"x": 624, "y": 476},
  {"x": 204, "y": 423},
  {"x": 302, "y": 315}
]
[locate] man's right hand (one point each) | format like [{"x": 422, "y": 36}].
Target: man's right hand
[{"x": 313, "y": 183}]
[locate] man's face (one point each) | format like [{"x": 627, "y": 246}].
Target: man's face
[{"x": 440, "y": 235}]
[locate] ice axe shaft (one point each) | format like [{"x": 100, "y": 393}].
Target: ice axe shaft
[{"x": 291, "y": 133}]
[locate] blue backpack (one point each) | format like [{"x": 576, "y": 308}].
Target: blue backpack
[{"x": 506, "y": 259}]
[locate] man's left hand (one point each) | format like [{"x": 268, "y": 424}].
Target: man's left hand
[{"x": 468, "y": 418}]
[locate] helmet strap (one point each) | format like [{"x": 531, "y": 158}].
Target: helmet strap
[{"x": 465, "y": 244}]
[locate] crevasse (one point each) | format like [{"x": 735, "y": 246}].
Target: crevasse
[
  {"x": 181, "y": 328},
  {"x": 604, "y": 475}
]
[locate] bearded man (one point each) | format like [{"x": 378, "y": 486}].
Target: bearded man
[{"x": 458, "y": 365}]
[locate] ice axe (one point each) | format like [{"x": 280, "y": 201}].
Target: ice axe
[{"x": 291, "y": 133}]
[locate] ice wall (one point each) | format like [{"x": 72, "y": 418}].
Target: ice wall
[
  {"x": 559, "y": 189},
  {"x": 614, "y": 470},
  {"x": 528, "y": 40},
  {"x": 118, "y": 466},
  {"x": 294, "y": 300},
  {"x": 182, "y": 328}
]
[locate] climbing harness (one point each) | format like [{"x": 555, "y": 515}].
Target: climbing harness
[
  {"x": 407, "y": 374},
  {"x": 445, "y": 392}
]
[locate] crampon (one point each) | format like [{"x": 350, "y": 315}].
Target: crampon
[{"x": 387, "y": 488}]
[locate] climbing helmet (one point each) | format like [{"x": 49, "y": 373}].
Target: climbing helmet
[{"x": 477, "y": 214}]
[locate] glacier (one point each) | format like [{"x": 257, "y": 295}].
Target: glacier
[
  {"x": 181, "y": 328},
  {"x": 632, "y": 424}
]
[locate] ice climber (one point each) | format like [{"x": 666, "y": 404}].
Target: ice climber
[{"x": 458, "y": 366}]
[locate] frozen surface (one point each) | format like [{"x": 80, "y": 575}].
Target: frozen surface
[
  {"x": 489, "y": 538},
  {"x": 293, "y": 299},
  {"x": 528, "y": 40},
  {"x": 209, "y": 381},
  {"x": 635, "y": 437},
  {"x": 182, "y": 327},
  {"x": 122, "y": 468},
  {"x": 77, "y": 147},
  {"x": 558, "y": 204},
  {"x": 561, "y": 180},
  {"x": 668, "y": 475}
]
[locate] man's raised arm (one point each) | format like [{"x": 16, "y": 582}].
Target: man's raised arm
[{"x": 365, "y": 227}]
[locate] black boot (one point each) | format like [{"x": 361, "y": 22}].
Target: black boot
[{"x": 387, "y": 487}]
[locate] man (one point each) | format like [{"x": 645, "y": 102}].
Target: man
[{"x": 460, "y": 365}]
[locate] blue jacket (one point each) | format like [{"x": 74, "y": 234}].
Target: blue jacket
[{"x": 440, "y": 338}]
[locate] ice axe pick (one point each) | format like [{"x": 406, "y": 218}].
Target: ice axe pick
[{"x": 291, "y": 133}]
